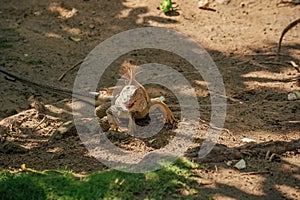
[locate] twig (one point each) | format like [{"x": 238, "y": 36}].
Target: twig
[
  {"x": 72, "y": 67},
  {"x": 290, "y": 122},
  {"x": 217, "y": 128},
  {"x": 295, "y": 66},
  {"x": 42, "y": 121},
  {"x": 209, "y": 9},
  {"x": 242, "y": 62},
  {"x": 295, "y": 2},
  {"x": 230, "y": 98},
  {"x": 255, "y": 173},
  {"x": 273, "y": 102},
  {"x": 267, "y": 54},
  {"x": 50, "y": 130},
  {"x": 227, "y": 104},
  {"x": 273, "y": 63},
  {"x": 220, "y": 129},
  {"x": 216, "y": 168},
  {"x": 252, "y": 62},
  {"x": 290, "y": 26}
]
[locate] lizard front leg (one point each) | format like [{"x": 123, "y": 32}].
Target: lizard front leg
[
  {"x": 131, "y": 125},
  {"x": 112, "y": 120},
  {"x": 157, "y": 103},
  {"x": 100, "y": 113}
]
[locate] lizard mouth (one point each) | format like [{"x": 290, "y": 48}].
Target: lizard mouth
[{"x": 128, "y": 105}]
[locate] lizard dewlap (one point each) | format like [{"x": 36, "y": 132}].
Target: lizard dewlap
[{"x": 124, "y": 97}]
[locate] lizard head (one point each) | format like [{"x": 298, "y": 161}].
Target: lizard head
[
  {"x": 137, "y": 101},
  {"x": 123, "y": 98}
]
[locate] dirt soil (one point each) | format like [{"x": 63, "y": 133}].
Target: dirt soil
[{"x": 241, "y": 37}]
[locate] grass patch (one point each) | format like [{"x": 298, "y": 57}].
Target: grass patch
[
  {"x": 4, "y": 43},
  {"x": 8, "y": 36},
  {"x": 111, "y": 184},
  {"x": 29, "y": 61},
  {"x": 34, "y": 61}
]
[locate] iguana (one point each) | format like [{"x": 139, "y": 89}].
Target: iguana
[
  {"x": 132, "y": 102},
  {"x": 137, "y": 103}
]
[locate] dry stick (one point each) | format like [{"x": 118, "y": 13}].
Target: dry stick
[
  {"x": 289, "y": 2},
  {"x": 256, "y": 173},
  {"x": 291, "y": 25},
  {"x": 290, "y": 122},
  {"x": 266, "y": 54},
  {"x": 50, "y": 130},
  {"x": 42, "y": 121},
  {"x": 72, "y": 67},
  {"x": 252, "y": 62},
  {"x": 208, "y": 9},
  {"x": 273, "y": 63},
  {"x": 242, "y": 62},
  {"x": 272, "y": 102},
  {"x": 262, "y": 63},
  {"x": 231, "y": 98},
  {"x": 297, "y": 67},
  {"x": 217, "y": 128}
]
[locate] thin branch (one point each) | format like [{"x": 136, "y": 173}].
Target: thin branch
[{"x": 72, "y": 67}]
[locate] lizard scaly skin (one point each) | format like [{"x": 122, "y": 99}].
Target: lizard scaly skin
[{"x": 133, "y": 101}]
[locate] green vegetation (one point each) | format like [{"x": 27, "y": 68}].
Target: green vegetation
[
  {"x": 111, "y": 184},
  {"x": 167, "y": 6},
  {"x": 29, "y": 61},
  {"x": 34, "y": 61},
  {"x": 8, "y": 36},
  {"x": 4, "y": 43}
]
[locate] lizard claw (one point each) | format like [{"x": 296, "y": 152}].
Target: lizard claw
[
  {"x": 170, "y": 118},
  {"x": 118, "y": 129}
]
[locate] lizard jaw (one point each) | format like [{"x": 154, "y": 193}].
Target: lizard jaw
[{"x": 128, "y": 105}]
